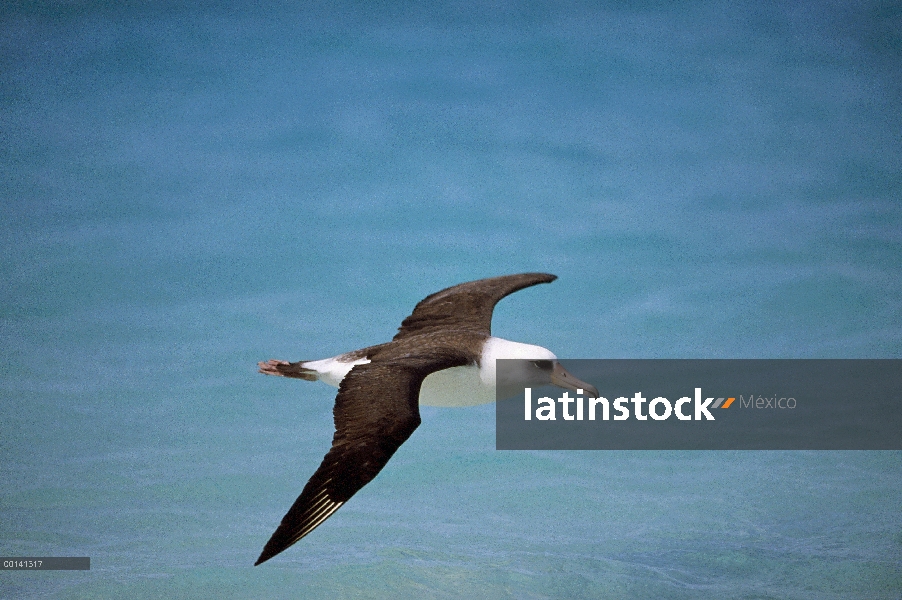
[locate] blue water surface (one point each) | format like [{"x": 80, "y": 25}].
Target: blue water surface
[{"x": 188, "y": 189}]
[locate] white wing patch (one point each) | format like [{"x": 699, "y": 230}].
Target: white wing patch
[{"x": 333, "y": 370}]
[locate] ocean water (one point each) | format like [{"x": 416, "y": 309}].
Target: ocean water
[{"x": 188, "y": 190}]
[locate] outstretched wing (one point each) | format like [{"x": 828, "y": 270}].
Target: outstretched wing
[
  {"x": 467, "y": 306},
  {"x": 376, "y": 410}
]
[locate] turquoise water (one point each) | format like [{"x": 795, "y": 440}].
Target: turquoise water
[{"x": 186, "y": 191}]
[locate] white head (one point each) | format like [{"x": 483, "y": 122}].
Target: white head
[{"x": 541, "y": 369}]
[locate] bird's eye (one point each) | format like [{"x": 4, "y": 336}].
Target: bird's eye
[{"x": 545, "y": 365}]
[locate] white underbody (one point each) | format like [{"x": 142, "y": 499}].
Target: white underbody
[{"x": 458, "y": 386}]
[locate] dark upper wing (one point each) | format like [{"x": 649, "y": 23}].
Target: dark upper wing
[
  {"x": 376, "y": 410},
  {"x": 466, "y": 306}
]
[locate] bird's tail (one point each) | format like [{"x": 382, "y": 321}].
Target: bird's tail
[{"x": 282, "y": 368}]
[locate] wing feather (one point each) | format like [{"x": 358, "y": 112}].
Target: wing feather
[
  {"x": 376, "y": 410},
  {"x": 467, "y": 306}
]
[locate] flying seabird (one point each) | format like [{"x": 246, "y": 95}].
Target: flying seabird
[{"x": 443, "y": 355}]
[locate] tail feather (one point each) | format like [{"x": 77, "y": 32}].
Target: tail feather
[{"x": 282, "y": 368}]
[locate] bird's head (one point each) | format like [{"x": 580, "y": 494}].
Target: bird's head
[
  {"x": 536, "y": 373},
  {"x": 536, "y": 367}
]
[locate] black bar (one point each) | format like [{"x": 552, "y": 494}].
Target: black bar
[
  {"x": 45, "y": 563},
  {"x": 777, "y": 404}
]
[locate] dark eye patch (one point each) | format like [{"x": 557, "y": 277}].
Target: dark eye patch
[{"x": 545, "y": 365}]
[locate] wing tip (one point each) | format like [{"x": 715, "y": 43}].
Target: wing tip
[
  {"x": 264, "y": 556},
  {"x": 272, "y": 548}
]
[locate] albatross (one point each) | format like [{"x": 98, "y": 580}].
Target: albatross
[{"x": 443, "y": 355}]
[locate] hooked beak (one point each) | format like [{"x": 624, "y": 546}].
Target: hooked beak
[{"x": 561, "y": 378}]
